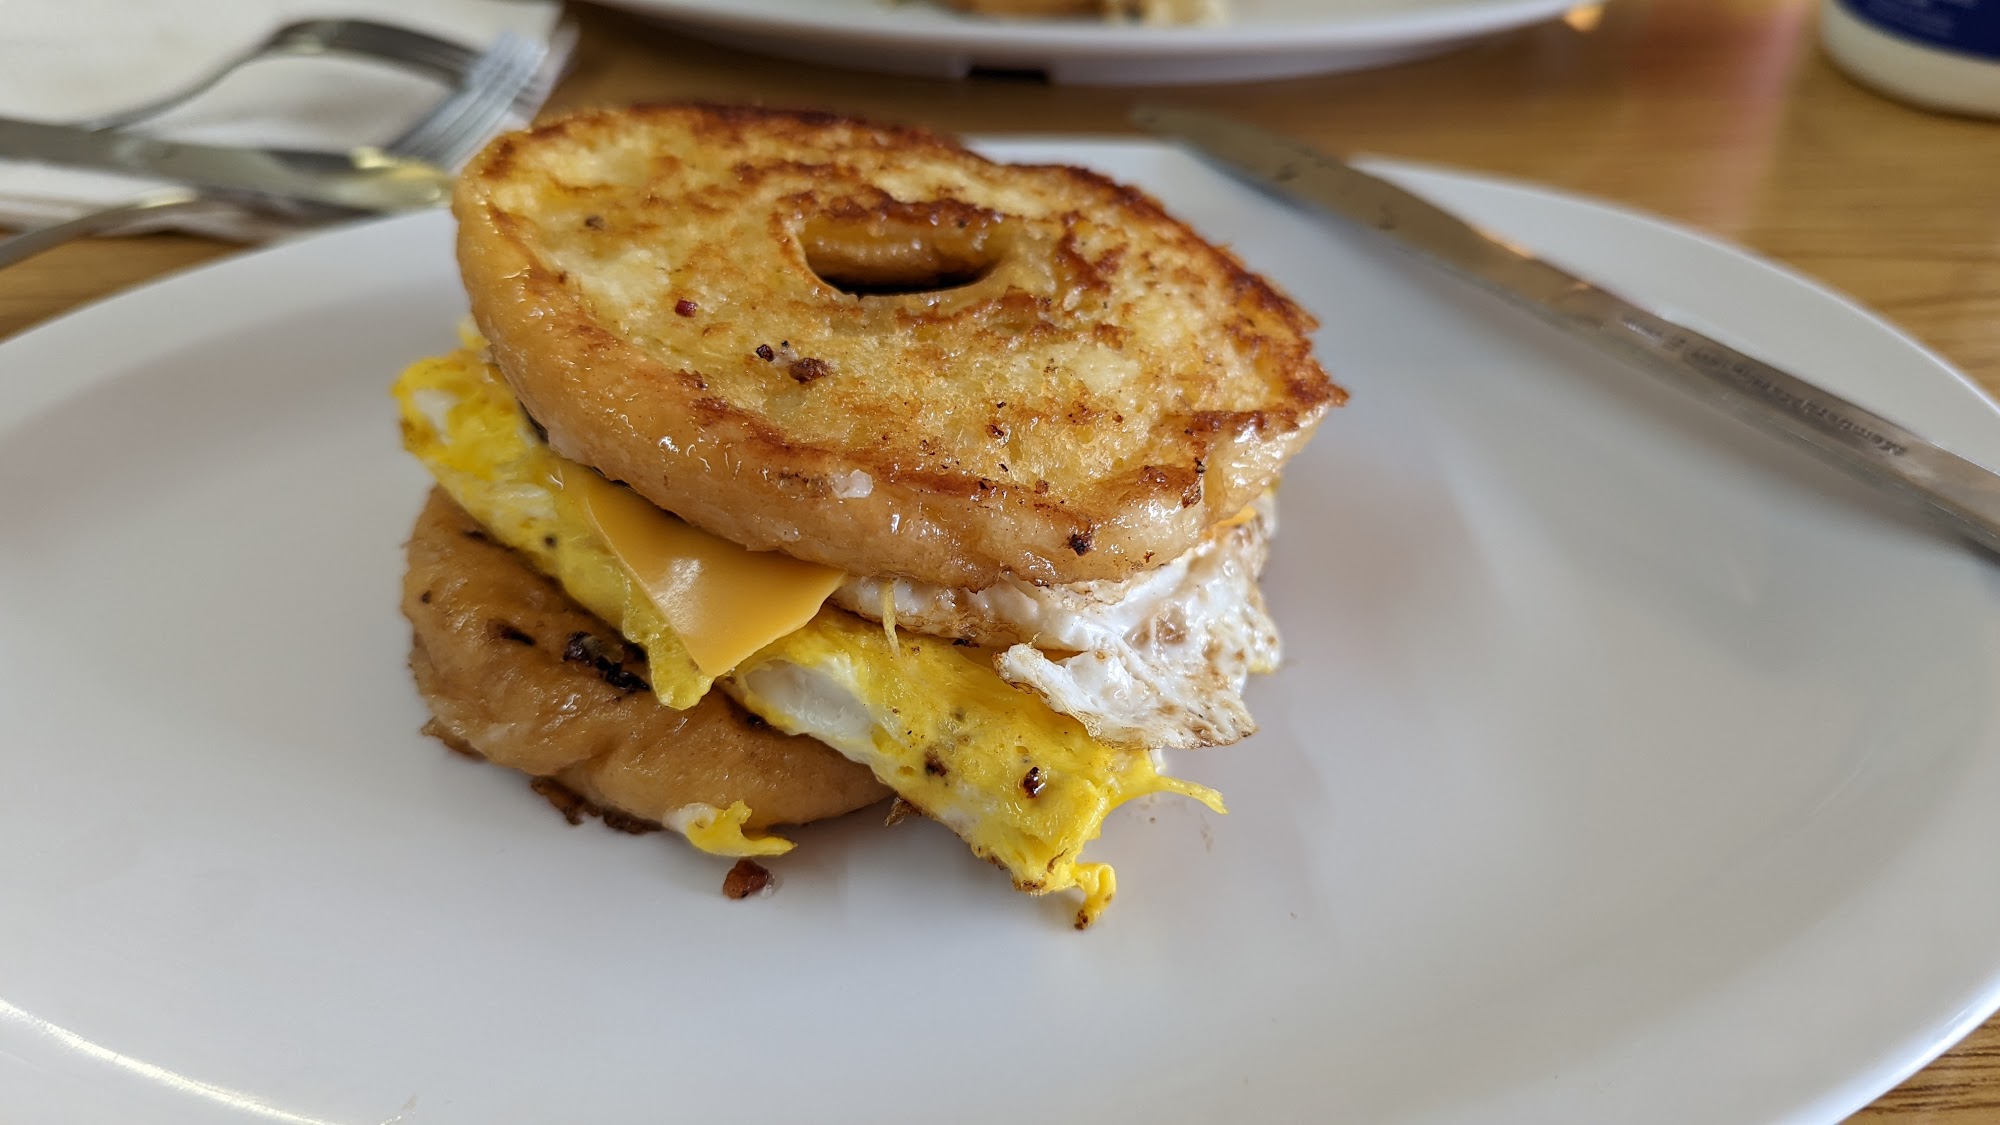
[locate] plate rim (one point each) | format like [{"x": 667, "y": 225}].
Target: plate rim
[{"x": 1465, "y": 19}]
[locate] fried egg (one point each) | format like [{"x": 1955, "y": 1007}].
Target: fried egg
[
  {"x": 1025, "y": 786},
  {"x": 1155, "y": 661},
  {"x": 462, "y": 422}
]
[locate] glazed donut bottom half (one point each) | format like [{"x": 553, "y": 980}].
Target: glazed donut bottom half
[{"x": 517, "y": 673}]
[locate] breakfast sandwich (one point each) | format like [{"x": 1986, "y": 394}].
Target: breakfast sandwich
[{"x": 793, "y": 461}]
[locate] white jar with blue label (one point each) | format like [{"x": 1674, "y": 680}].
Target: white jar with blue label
[{"x": 1943, "y": 54}]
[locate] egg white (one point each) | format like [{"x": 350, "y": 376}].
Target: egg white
[{"x": 1155, "y": 661}]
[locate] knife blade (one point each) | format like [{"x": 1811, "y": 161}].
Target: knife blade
[
  {"x": 1965, "y": 497},
  {"x": 362, "y": 180}
]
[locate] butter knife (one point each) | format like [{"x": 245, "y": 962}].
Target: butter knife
[
  {"x": 1962, "y": 495},
  {"x": 365, "y": 179}
]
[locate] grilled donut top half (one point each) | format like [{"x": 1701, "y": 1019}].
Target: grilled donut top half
[{"x": 870, "y": 347}]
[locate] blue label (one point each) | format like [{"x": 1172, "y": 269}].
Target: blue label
[{"x": 1970, "y": 27}]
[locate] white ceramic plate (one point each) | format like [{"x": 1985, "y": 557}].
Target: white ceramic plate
[
  {"x": 1623, "y": 769},
  {"x": 1263, "y": 38}
]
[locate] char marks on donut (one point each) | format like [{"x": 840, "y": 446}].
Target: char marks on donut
[
  {"x": 563, "y": 706},
  {"x": 902, "y": 359}
]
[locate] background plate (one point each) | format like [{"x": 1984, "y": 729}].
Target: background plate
[
  {"x": 1264, "y": 39},
  {"x": 1623, "y": 767}
]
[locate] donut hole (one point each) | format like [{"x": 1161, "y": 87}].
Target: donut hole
[{"x": 913, "y": 248}]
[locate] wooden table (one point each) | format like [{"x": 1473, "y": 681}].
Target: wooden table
[{"x": 1721, "y": 113}]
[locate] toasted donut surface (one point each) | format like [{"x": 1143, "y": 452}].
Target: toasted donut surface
[
  {"x": 514, "y": 670},
  {"x": 868, "y": 347}
]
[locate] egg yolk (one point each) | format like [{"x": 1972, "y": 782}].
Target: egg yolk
[{"x": 1023, "y": 785}]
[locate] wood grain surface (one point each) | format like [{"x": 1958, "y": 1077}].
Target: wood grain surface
[{"x": 1719, "y": 113}]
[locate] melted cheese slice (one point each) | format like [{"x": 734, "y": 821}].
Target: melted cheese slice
[
  {"x": 462, "y": 422},
  {"x": 725, "y": 602},
  {"x": 696, "y": 603}
]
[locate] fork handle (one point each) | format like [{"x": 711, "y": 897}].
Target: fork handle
[{"x": 29, "y": 243}]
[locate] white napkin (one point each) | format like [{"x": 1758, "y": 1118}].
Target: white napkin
[{"x": 65, "y": 59}]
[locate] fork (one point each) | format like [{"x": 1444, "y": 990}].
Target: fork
[
  {"x": 439, "y": 58},
  {"x": 495, "y": 82},
  {"x": 507, "y": 74}
]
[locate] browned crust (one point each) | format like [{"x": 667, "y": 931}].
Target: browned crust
[
  {"x": 747, "y": 878},
  {"x": 1063, "y": 474},
  {"x": 573, "y": 806},
  {"x": 497, "y": 658}
]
